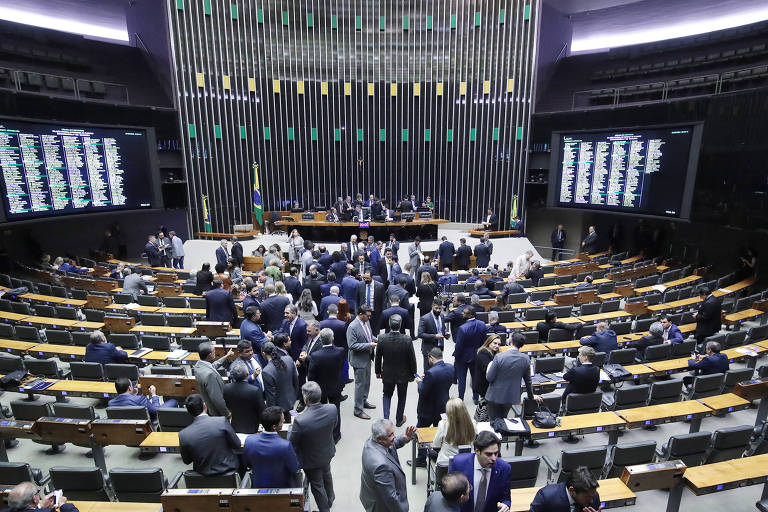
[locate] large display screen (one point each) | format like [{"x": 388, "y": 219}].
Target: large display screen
[
  {"x": 55, "y": 169},
  {"x": 648, "y": 171}
]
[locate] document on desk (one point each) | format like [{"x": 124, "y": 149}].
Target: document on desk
[
  {"x": 749, "y": 350},
  {"x": 515, "y": 425},
  {"x": 178, "y": 354},
  {"x": 659, "y": 287},
  {"x": 141, "y": 352}
]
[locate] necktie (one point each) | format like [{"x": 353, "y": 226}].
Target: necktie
[
  {"x": 367, "y": 331},
  {"x": 439, "y": 324},
  {"x": 482, "y": 490},
  {"x": 250, "y": 366},
  {"x": 369, "y": 295},
  {"x": 362, "y": 268}
]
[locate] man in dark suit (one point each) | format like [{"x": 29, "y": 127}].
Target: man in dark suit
[
  {"x": 245, "y": 401},
  {"x": 708, "y": 316},
  {"x": 361, "y": 265},
  {"x": 469, "y": 338},
  {"x": 398, "y": 290},
  {"x": 583, "y": 378},
  {"x": 154, "y": 258},
  {"x": 330, "y": 282},
  {"x": 433, "y": 388},
  {"x": 407, "y": 283},
  {"x": 348, "y": 249},
  {"x": 325, "y": 368},
  {"x": 491, "y": 475},
  {"x": 332, "y": 298},
  {"x": 654, "y": 337},
  {"x": 333, "y": 216},
  {"x": 209, "y": 442},
  {"x": 506, "y": 374},
  {"x": 273, "y": 308},
  {"x": 463, "y": 255},
  {"x": 349, "y": 289},
  {"x": 292, "y": 283},
  {"x": 25, "y": 497},
  {"x": 237, "y": 251},
  {"x": 550, "y": 322},
  {"x": 393, "y": 244},
  {"x": 447, "y": 279},
  {"x": 129, "y": 396},
  {"x": 557, "y": 239},
  {"x": 428, "y": 268},
  {"x": 389, "y": 268},
  {"x": 432, "y": 331},
  {"x": 339, "y": 328},
  {"x": 455, "y": 491},
  {"x": 219, "y": 305},
  {"x": 313, "y": 282},
  {"x": 589, "y": 244},
  {"x": 99, "y": 351},
  {"x": 494, "y": 327},
  {"x": 253, "y": 296},
  {"x": 222, "y": 254},
  {"x": 535, "y": 273},
  {"x": 456, "y": 317},
  {"x": 580, "y": 489},
  {"x": 482, "y": 255},
  {"x": 672, "y": 333},
  {"x": 296, "y": 328},
  {"x": 481, "y": 290},
  {"x": 396, "y": 309},
  {"x": 396, "y": 366},
  {"x": 713, "y": 362},
  {"x": 491, "y": 221},
  {"x": 313, "y": 440},
  {"x": 325, "y": 259},
  {"x": 603, "y": 340},
  {"x": 272, "y": 459},
  {"x": 371, "y": 293}
]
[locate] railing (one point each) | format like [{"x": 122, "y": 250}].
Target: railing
[{"x": 61, "y": 85}]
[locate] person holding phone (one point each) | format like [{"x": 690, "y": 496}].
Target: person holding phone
[
  {"x": 579, "y": 492},
  {"x": 26, "y": 497}
]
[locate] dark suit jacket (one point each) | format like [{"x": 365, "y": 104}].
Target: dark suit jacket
[
  {"x": 378, "y": 301},
  {"x": 426, "y": 294},
  {"x": 482, "y": 255},
  {"x": 293, "y": 286},
  {"x": 590, "y": 243},
  {"x": 428, "y": 331},
  {"x": 480, "y": 382},
  {"x": 273, "y": 311},
  {"x": 645, "y": 342},
  {"x": 708, "y": 317},
  {"x": 203, "y": 280},
  {"x": 494, "y": 221},
  {"x": 281, "y": 387},
  {"x": 208, "y": 443},
  {"x": 463, "y": 253},
  {"x": 581, "y": 379},
  {"x": 272, "y": 460},
  {"x": 601, "y": 341},
  {"x": 246, "y": 403},
  {"x": 104, "y": 353},
  {"x": 498, "y": 486},
  {"x": 322, "y": 312},
  {"x": 221, "y": 256},
  {"x": 340, "y": 269},
  {"x": 128, "y": 400},
  {"x": 325, "y": 367},
  {"x": 349, "y": 291},
  {"x": 237, "y": 252},
  {"x": 469, "y": 338},
  {"x": 716, "y": 363},
  {"x": 395, "y": 310},
  {"x": 554, "y": 498},
  {"x": 298, "y": 336},
  {"x": 675, "y": 335},
  {"x": 429, "y": 269},
  {"x": 544, "y": 327},
  {"x": 312, "y": 435},
  {"x": 558, "y": 242},
  {"x": 220, "y": 307},
  {"x": 313, "y": 285},
  {"x": 153, "y": 255},
  {"x": 433, "y": 391},
  {"x": 534, "y": 275},
  {"x": 325, "y": 259},
  {"x": 339, "y": 328},
  {"x": 395, "y": 357},
  {"x": 401, "y": 293}
]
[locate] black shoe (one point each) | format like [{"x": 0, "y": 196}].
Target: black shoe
[
  {"x": 349, "y": 381},
  {"x": 368, "y": 405},
  {"x": 419, "y": 463},
  {"x": 343, "y": 397},
  {"x": 401, "y": 422}
]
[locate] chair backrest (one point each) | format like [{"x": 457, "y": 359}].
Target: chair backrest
[
  {"x": 7, "y": 331},
  {"x": 622, "y": 356},
  {"x": 657, "y": 352},
  {"x": 173, "y": 419},
  {"x": 664, "y": 392},
  {"x": 30, "y": 411},
  {"x": 122, "y": 298},
  {"x": 546, "y": 281},
  {"x": 706, "y": 385},
  {"x": 80, "y": 338},
  {"x": 563, "y": 311},
  {"x": 593, "y": 458},
  {"x": 114, "y": 371},
  {"x": 735, "y": 338},
  {"x": 517, "y": 298},
  {"x": 175, "y": 302},
  {"x": 21, "y": 308},
  {"x": 126, "y": 340},
  {"x": 608, "y": 306},
  {"x": 549, "y": 364},
  {"x": 690, "y": 448},
  {"x": 191, "y": 344},
  {"x": 560, "y": 335},
  {"x": 188, "y": 321},
  {"x": 583, "y": 403},
  {"x": 733, "y": 377},
  {"x": 80, "y": 483},
  {"x": 13, "y": 473},
  {"x": 138, "y": 485},
  {"x": 587, "y": 329},
  {"x": 642, "y": 325},
  {"x": 591, "y": 308},
  {"x": 535, "y": 313},
  {"x": 86, "y": 371},
  {"x": 630, "y": 455},
  {"x": 128, "y": 412},
  {"x": 10, "y": 363},
  {"x": 507, "y": 316},
  {"x": 563, "y": 279},
  {"x": 43, "y": 367},
  {"x": 58, "y": 336},
  {"x": 196, "y": 302},
  {"x": 541, "y": 295},
  {"x": 622, "y": 327},
  {"x": 525, "y": 470},
  {"x": 27, "y": 333},
  {"x": 156, "y": 342},
  {"x": 683, "y": 349},
  {"x": 148, "y": 300},
  {"x": 45, "y": 310},
  {"x": 758, "y": 333},
  {"x": 194, "y": 480},
  {"x": 94, "y": 315},
  {"x": 74, "y": 411},
  {"x": 164, "y": 369},
  {"x": 627, "y": 397},
  {"x": 530, "y": 337},
  {"x": 729, "y": 443},
  {"x": 152, "y": 319},
  {"x": 66, "y": 312},
  {"x": 551, "y": 402},
  {"x": 79, "y": 294},
  {"x": 719, "y": 338}
]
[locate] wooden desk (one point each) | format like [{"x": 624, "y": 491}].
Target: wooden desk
[
  {"x": 84, "y": 388},
  {"x": 527, "y": 305},
  {"x": 16, "y": 347},
  {"x": 7, "y": 317},
  {"x": 729, "y": 474},
  {"x": 113, "y": 506},
  {"x": 64, "y": 352},
  {"x": 163, "y": 329},
  {"x": 741, "y": 316},
  {"x": 669, "y": 366},
  {"x": 47, "y": 322},
  {"x": 120, "y": 308},
  {"x": 744, "y": 283},
  {"x": 182, "y": 311},
  {"x": 631, "y": 259},
  {"x": 598, "y": 317},
  {"x": 88, "y": 326},
  {"x": 170, "y": 385},
  {"x": 637, "y": 370},
  {"x": 671, "y": 284},
  {"x": 725, "y": 403},
  {"x": 531, "y": 324},
  {"x": 605, "y": 297},
  {"x": 531, "y": 349},
  {"x": 666, "y": 413},
  {"x": 160, "y": 442},
  {"x": 613, "y": 493},
  {"x": 658, "y": 308},
  {"x": 583, "y": 424}
]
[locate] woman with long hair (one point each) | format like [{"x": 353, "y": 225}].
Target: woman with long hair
[
  {"x": 235, "y": 272},
  {"x": 485, "y": 355},
  {"x": 426, "y": 293},
  {"x": 280, "y": 290},
  {"x": 456, "y": 430},
  {"x": 295, "y": 246},
  {"x": 306, "y": 306}
]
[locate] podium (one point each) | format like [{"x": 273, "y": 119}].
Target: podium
[
  {"x": 755, "y": 389},
  {"x": 636, "y": 308},
  {"x": 165, "y": 277}
]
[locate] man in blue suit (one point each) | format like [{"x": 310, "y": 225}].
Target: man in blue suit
[
  {"x": 579, "y": 493},
  {"x": 325, "y": 288},
  {"x": 446, "y": 251},
  {"x": 713, "y": 362},
  {"x": 332, "y": 298},
  {"x": 222, "y": 254},
  {"x": 219, "y": 305},
  {"x": 349, "y": 289},
  {"x": 469, "y": 339},
  {"x": 433, "y": 388},
  {"x": 99, "y": 351},
  {"x": 488, "y": 474},
  {"x": 250, "y": 331},
  {"x": 272, "y": 459},
  {"x": 399, "y": 290},
  {"x": 296, "y": 328},
  {"x": 672, "y": 333},
  {"x": 325, "y": 259},
  {"x": 127, "y": 395},
  {"x": 447, "y": 279},
  {"x": 292, "y": 283},
  {"x": 604, "y": 339},
  {"x": 396, "y": 309},
  {"x": 339, "y": 328},
  {"x": 273, "y": 308}
]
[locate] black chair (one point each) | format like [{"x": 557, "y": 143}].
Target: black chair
[
  {"x": 623, "y": 356},
  {"x": 549, "y": 364},
  {"x": 609, "y": 306},
  {"x": 525, "y": 471},
  {"x": 514, "y": 298},
  {"x": 690, "y": 448},
  {"x": 583, "y": 403},
  {"x": 683, "y": 349},
  {"x": 656, "y": 353},
  {"x": 74, "y": 411},
  {"x": 507, "y": 316},
  {"x": 152, "y": 319},
  {"x": 535, "y": 314},
  {"x": 560, "y": 335},
  {"x": 593, "y": 458},
  {"x": 643, "y": 325},
  {"x": 719, "y": 338},
  {"x": 629, "y": 455},
  {"x": 621, "y": 327},
  {"x": 175, "y": 302},
  {"x": 530, "y": 337},
  {"x": 173, "y": 419},
  {"x": 665, "y": 392},
  {"x": 587, "y": 330},
  {"x": 94, "y": 315},
  {"x": 114, "y": 371},
  {"x": 191, "y": 344},
  {"x": 541, "y": 295},
  {"x": 138, "y": 485},
  {"x": 45, "y": 368},
  {"x": 125, "y": 341},
  {"x": 45, "y": 310},
  {"x": 58, "y": 337},
  {"x": 591, "y": 308},
  {"x": 14, "y": 473},
  {"x": 733, "y": 377},
  {"x": 563, "y": 311},
  {"x": 80, "y": 483},
  {"x": 27, "y": 333},
  {"x": 735, "y": 339},
  {"x": 148, "y": 300},
  {"x": 21, "y": 308},
  {"x": 122, "y": 298},
  {"x": 551, "y": 402},
  {"x": 626, "y": 398},
  {"x": 10, "y": 363},
  {"x": 7, "y": 331},
  {"x": 80, "y": 338},
  {"x": 755, "y": 333},
  {"x": 156, "y": 342},
  {"x": 729, "y": 443},
  {"x": 194, "y": 480},
  {"x": 181, "y": 321},
  {"x": 66, "y": 312},
  {"x": 32, "y": 411},
  {"x": 705, "y": 385},
  {"x": 196, "y": 302},
  {"x": 86, "y": 371},
  {"x": 128, "y": 412},
  {"x": 163, "y": 369}
]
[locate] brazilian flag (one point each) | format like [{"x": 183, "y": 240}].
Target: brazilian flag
[
  {"x": 258, "y": 206},
  {"x": 206, "y": 216}
]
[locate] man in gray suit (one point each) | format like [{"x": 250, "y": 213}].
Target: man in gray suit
[
  {"x": 415, "y": 255},
  {"x": 133, "y": 284},
  {"x": 312, "y": 438},
  {"x": 361, "y": 345},
  {"x": 455, "y": 492},
  {"x": 209, "y": 382},
  {"x": 208, "y": 443},
  {"x": 504, "y": 376},
  {"x": 383, "y": 486}
]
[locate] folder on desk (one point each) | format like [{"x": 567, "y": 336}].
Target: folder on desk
[
  {"x": 39, "y": 385},
  {"x": 538, "y": 378},
  {"x": 140, "y": 352},
  {"x": 178, "y": 355}
]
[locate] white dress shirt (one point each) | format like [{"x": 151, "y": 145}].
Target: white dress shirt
[{"x": 477, "y": 475}]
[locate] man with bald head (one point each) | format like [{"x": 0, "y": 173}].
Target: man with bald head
[{"x": 26, "y": 497}]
